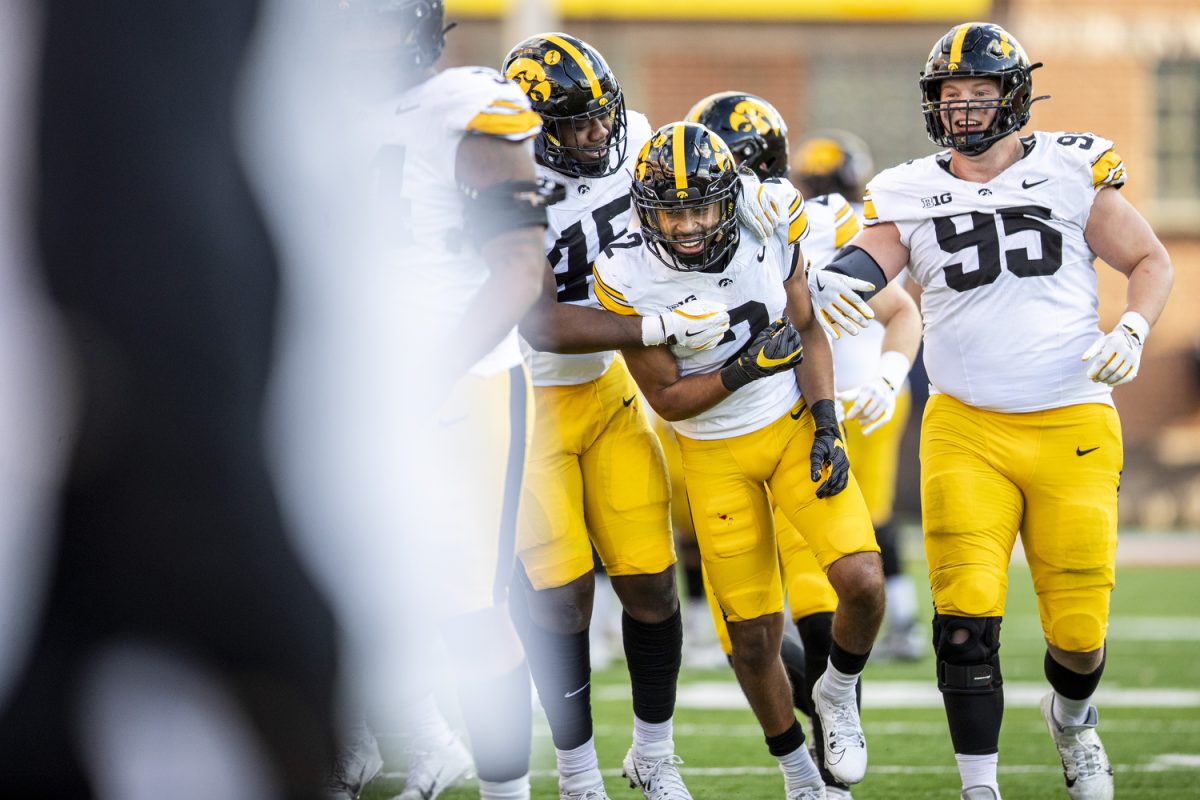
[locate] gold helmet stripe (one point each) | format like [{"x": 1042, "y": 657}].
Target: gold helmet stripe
[
  {"x": 679, "y": 158},
  {"x": 957, "y": 45},
  {"x": 583, "y": 63}
]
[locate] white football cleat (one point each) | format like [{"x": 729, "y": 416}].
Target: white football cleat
[
  {"x": 837, "y": 793},
  {"x": 816, "y": 791},
  {"x": 1085, "y": 764},
  {"x": 658, "y": 778},
  {"x": 844, "y": 742},
  {"x": 584, "y": 786},
  {"x": 979, "y": 793},
  {"x": 355, "y": 766},
  {"x": 433, "y": 768}
]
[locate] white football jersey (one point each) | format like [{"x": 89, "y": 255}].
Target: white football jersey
[
  {"x": 417, "y": 134},
  {"x": 632, "y": 280},
  {"x": 1009, "y": 300},
  {"x": 595, "y": 213}
]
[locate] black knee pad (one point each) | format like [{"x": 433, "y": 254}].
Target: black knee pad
[{"x": 972, "y": 667}]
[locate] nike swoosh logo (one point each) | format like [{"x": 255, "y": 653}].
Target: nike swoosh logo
[
  {"x": 762, "y": 254},
  {"x": 796, "y": 414},
  {"x": 692, "y": 333},
  {"x": 767, "y": 363},
  {"x": 1079, "y": 452},
  {"x": 1025, "y": 184},
  {"x": 577, "y": 691},
  {"x": 626, "y": 402},
  {"x": 820, "y": 288}
]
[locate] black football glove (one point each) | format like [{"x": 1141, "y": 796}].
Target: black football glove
[
  {"x": 776, "y": 348},
  {"x": 827, "y": 449}
]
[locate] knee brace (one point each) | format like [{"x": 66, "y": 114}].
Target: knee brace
[{"x": 972, "y": 667}]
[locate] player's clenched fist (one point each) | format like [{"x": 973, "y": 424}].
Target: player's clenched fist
[{"x": 776, "y": 348}]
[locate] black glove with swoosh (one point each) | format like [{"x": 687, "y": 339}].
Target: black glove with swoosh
[
  {"x": 776, "y": 348},
  {"x": 827, "y": 449}
]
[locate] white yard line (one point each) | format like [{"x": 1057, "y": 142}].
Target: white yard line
[{"x": 921, "y": 694}]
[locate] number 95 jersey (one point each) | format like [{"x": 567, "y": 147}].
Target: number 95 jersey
[{"x": 1009, "y": 300}]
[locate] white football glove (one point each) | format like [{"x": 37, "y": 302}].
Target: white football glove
[
  {"x": 1114, "y": 358},
  {"x": 874, "y": 403},
  {"x": 697, "y": 324},
  {"x": 763, "y": 207},
  {"x": 837, "y": 304}
]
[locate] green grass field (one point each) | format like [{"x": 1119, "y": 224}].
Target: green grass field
[{"x": 1149, "y": 714}]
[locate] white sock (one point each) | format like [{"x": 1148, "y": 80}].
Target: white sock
[
  {"x": 516, "y": 789},
  {"x": 901, "y": 602},
  {"x": 978, "y": 770},
  {"x": 838, "y": 685},
  {"x": 652, "y": 739},
  {"x": 427, "y": 723},
  {"x": 799, "y": 769},
  {"x": 1070, "y": 712},
  {"x": 577, "y": 759}
]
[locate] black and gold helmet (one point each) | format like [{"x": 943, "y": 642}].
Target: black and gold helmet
[
  {"x": 570, "y": 85},
  {"x": 685, "y": 168},
  {"x": 402, "y": 35},
  {"x": 978, "y": 50},
  {"x": 752, "y": 127},
  {"x": 833, "y": 161}
]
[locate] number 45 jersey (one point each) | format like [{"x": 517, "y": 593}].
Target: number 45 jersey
[
  {"x": 593, "y": 214},
  {"x": 1009, "y": 300}
]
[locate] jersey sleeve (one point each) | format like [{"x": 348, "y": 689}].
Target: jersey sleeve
[
  {"x": 485, "y": 103},
  {"x": 1108, "y": 169},
  {"x": 797, "y": 227},
  {"x": 847, "y": 224},
  {"x": 1089, "y": 163},
  {"x": 612, "y": 285}
]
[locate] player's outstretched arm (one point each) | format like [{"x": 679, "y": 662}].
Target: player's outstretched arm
[
  {"x": 774, "y": 349},
  {"x": 874, "y": 403},
  {"x": 508, "y": 221},
  {"x": 1123, "y": 239},
  {"x": 841, "y": 289},
  {"x": 815, "y": 376},
  {"x": 554, "y": 327}
]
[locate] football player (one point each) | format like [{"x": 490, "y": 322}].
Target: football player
[
  {"x": 833, "y": 166},
  {"x": 868, "y": 379},
  {"x": 596, "y": 476},
  {"x": 744, "y": 428},
  {"x": 1020, "y": 435},
  {"x": 457, "y": 202}
]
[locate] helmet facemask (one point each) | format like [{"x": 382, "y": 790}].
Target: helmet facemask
[
  {"x": 979, "y": 50},
  {"x": 708, "y": 219},
  {"x": 581, "y": 160}
]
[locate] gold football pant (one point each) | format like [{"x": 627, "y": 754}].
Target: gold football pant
[
  {"x": 596, "y": 475},
  {"x": 727, "y": 484},
  {"x": 1052, "y": 477}
]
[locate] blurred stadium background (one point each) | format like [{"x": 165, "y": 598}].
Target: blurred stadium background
[{"x": 1129, "y": 72}]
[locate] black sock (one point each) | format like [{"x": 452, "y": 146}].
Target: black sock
[
  {"x": 1071, "y": 684},
  {"x": 652, "y": 652},
  {"x": 693, "y": 582},
  {"x": 789, "y": 741},
  {"x": 816, "y": 632},
  {"x": 561, "y": 668},
  {"x": 889, "y": 549},
  {"x": 845, "y": 661},
  {"x": 793, "y": 656},
  {"x": 974, "y": 721},
  {"x": 497, "y": 713}
]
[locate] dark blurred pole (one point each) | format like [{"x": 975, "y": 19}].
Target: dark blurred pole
[{"x": 154, "y": 253}]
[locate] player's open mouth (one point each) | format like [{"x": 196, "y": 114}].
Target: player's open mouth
[
  {"x": 968, "y": 125},
  {"x": 690, "y": 246}
]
